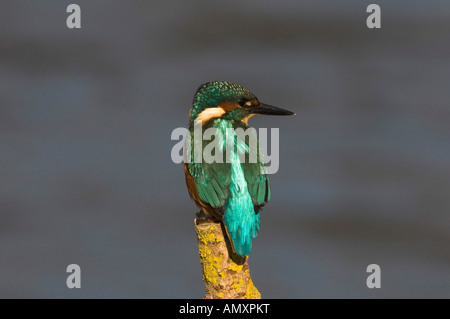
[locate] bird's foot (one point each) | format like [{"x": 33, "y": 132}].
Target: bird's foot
[{"x": 201, "y": 217}]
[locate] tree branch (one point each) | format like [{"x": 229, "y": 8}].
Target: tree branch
[{"x": 226, "y": 274}]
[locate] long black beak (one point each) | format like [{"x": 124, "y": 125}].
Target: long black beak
[{"x": 270, "y": 110}]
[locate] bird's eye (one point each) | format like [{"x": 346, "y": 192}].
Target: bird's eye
[{"x": 242, "y": 102}]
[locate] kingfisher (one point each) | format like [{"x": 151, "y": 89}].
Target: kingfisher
[{"x": 232, "y": 190}]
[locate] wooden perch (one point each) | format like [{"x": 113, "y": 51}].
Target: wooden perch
[{"x": 226, "y": 274}]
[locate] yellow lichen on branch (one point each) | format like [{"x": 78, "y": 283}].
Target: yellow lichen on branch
[{"x": 226, "y": 274}]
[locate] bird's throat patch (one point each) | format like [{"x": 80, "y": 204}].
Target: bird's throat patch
[
  {"x": 209, "y": 113},
  {"x": 245, "y": 119},
  {"x": 215, "y": 112}
]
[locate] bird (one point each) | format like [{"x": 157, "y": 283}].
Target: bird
[{"x": 233, "y": 191}]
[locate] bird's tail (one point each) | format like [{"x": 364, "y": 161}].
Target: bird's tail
[{"x": 242, "y": 227}]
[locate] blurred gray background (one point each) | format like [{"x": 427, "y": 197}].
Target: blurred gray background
[{"x": 86, "y": 117}]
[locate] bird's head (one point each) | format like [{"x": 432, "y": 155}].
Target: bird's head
[{"x": 228, "y": 101}]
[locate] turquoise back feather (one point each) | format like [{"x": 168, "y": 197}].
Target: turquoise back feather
[{"x": 240, "y": 217}]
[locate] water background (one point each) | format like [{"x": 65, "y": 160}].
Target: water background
[{"x": 85, "y": 123}]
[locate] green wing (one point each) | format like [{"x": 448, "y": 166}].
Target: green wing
[
  {"x": 257, "y": 181},
  {"x": 211, "y": 180}
]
